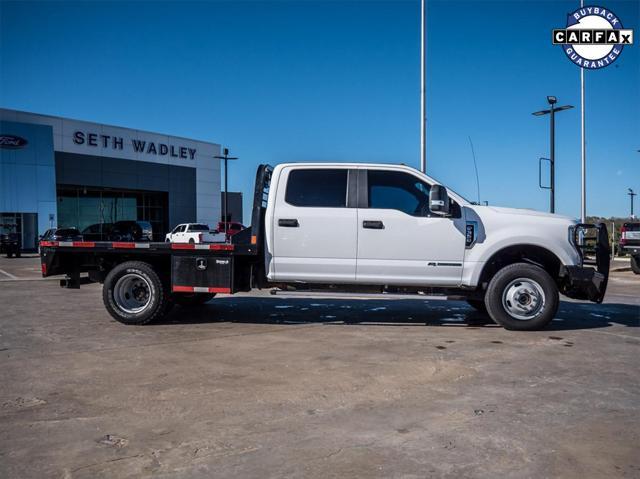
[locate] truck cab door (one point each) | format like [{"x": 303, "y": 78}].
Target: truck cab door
[
  {"x": 314, "y": 228},
  {"x": 178, "y": 237},
  {"x": 400, "y": 241}
]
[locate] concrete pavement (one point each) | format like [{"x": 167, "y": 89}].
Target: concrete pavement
[{"x": 263, "y": 386}]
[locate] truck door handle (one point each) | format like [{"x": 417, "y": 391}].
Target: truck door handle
[
  {"x": 288, "y": 223},
  {"x": 373, "y": 225}
]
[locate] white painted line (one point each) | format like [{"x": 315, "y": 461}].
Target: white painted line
[{"x": 8, "y": 274}]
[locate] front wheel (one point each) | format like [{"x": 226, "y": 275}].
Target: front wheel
[
  {"x": 635, "y": 264},
  {"x": 133, "y": 293},
  {"x": 522, "y": 297}
]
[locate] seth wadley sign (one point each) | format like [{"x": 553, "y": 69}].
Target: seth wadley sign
[{"x": 139, "y": 146}]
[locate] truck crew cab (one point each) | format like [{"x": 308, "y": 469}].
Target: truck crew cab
[{"x": 358, "y": 227}]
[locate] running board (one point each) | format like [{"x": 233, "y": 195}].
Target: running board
[{"x": 347, "y": 295}]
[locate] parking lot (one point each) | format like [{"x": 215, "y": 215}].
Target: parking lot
[{"x": 277, "y": 386}]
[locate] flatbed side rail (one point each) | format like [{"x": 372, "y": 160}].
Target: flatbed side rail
[{"x": 119, "y": 245}]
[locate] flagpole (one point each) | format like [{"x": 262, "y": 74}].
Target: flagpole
[
  {"x": 423, "y": 97},
  {"x": 583, "y": 156}
]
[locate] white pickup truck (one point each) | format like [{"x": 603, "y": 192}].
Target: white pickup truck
[
  {"x": 359, "y": 227},
  {"x": 193, "y": 233}
]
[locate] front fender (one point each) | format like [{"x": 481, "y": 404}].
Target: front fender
[{"x": 477, "y": 256}]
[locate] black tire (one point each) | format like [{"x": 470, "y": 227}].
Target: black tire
[
  {"x": 194, "y": 299},
  {"x": 635, "y": 264},
  {"x": 9, "y": 255},
  {"x": 537, "y": 297},
  {"x": 18, "y": 254},
  {"x": 191, "y": 241},
  {"x": 153, "y": 299}
]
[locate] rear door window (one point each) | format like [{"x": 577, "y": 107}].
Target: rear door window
[
  {"x": 320, "y": 188},
  {"x": 198, "y": 228}
]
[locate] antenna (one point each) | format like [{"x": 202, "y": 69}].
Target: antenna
[{"x": 475, "y": 165}]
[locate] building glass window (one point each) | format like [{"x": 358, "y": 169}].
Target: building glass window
[{"x": 94, "y": 210}]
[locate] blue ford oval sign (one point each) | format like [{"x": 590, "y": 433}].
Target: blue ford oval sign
[{"x": 12, "y": 141}]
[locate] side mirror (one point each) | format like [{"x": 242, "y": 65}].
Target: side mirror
[{"x": 439, "y": 200}]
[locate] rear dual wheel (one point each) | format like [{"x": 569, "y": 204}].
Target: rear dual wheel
[{"x": 134, "y": 294}]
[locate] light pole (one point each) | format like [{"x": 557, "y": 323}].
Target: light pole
[
  {"x": 583, "y": 147},
  {"x": 423, "y": 93},
  {"x": 631, "y": 195},
  {"x": 226, "y": 159},
  {"x": 552, "y": 101}
]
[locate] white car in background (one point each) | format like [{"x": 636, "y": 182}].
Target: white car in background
[{"x": 194, "y": 233}]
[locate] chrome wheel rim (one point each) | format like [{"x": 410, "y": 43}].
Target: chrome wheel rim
[
  {"x": 132, "y": 293},
  {"x": 523, "y": 299}
]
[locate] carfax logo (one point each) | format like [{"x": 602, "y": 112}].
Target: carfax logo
[{"x": 594, "y": 37}]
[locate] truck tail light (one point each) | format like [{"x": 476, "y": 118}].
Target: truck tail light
[
  {"x": 623, "y": 236},
  {"x": 44, "y": 269}
]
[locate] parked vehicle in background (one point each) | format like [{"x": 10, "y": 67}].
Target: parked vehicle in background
[
  {"x": 10, "y": 244},
  {"x": 131, "y": 231},
  {"x": 233, "y": 227},
  {"x": 630, "y": 243},
  {"x": 358, "y": 228},
  {"x": 193, "y": 233},
  {"x": 97, "y": 232},
  {"x": 62, "y": 234}
]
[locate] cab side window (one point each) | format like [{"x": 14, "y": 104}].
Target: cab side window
[
  {"x": 396, "y": 190},
  {"x": 320, "y": 188}
]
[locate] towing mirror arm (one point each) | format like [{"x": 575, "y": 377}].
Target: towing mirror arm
[{"x": 439, "y": 201}]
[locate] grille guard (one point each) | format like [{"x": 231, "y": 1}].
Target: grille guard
[{"x": 589, "y": 280}]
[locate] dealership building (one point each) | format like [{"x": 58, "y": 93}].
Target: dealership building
[{"x": 58, "y": 172}]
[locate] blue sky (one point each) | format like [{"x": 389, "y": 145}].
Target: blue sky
[{"x": 339, "y": 81}]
